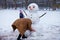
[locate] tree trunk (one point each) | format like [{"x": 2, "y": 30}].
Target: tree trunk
[
  {"x": 5, "y": 6},
  {"x": 15, "y": 5},
  {"x": 26, "y": 3},
  {"x": 54, "y": 4}
]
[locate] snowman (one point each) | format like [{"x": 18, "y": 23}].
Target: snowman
[{"x": 34, "y": 14}]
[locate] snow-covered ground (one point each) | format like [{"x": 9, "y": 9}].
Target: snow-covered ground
[{"x": 49, "y": 30}]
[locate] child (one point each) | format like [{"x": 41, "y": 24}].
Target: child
[
  {"x": 22, "y": 25},
  {"x": 21, "y": 16}
]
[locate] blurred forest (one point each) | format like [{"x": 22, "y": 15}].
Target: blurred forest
[{"x": 24, "y": 3}]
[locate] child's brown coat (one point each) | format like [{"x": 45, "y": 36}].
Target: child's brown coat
[{"x": 22, "y": 25}]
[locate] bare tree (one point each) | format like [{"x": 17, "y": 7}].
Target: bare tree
[
  {"x": 54, "y": 4},
  {"x": 26, "y": 3},
  {"x": 5, "y": 4},
  {"x": 15, "y": 3}
]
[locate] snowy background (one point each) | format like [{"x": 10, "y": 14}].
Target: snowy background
[{"x": 49, "y": 30}]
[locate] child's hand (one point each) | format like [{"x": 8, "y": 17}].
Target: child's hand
[{"x": 33, "y": 30}]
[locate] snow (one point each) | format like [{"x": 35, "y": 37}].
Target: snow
[
  {"x": 6, "y": 19},
  {"x": 48, "y": 26}
]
